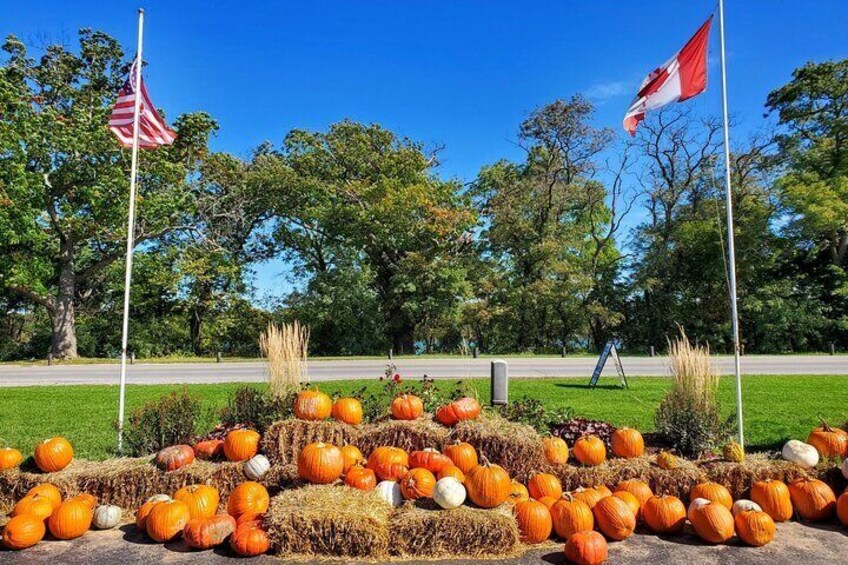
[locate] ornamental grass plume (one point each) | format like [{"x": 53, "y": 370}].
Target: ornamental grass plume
[{"x": 285, "y": 350}]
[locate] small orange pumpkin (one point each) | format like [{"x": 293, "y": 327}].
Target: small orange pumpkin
[
  {"x": 586, "y": 548},
  {"x": 488, "y": 485},
  {"x": 830, "y": 442},
  {"x": 458, "y": 411},
  {"x": 754, "y": 528},
  {"x": 463, "y": 455},
  {"x": 174, "y": 457},
  {"x": 407, "y": 407},
  {"x": 53, "y": 455},
  {"x": 534, "y": 521},
  {"x": 202, "y": 500},
  {"x": 351, "y": 456},
  {"x": 429, "y": 459},
  {"x": 205, "y": 532},
  {"x": 389, "y": 463},
  {"x": 361, "y": 478},
  {"x": 570, "y": 516},
  {"x": 249, "y": 496},
  {"x": 166, "y": 520},
  {"x": 713, "y": 492},
  {"x": 312, "y": 405},
  {"x": 347, "y": 410},
  {"x": 36, "y": 505},
  {"x": 23, "y": 531},
  {"x": 250, "y": 540},
  {"x": 451, "y": 471},
  {"x": 556, "y": 450},
  {"x": 71, "y": 520},
  {"x": 590, "y": 450},
  {"x": 614, "y": 518},
  {"x": 813, "y": 499},
  {"x": 544, "y": 484},
  {"x": 627, "y": 443},
  {"x": 842, "y": 508},
  {"x": 773, "y": 498},
  {"x": 417, "y": 483},
  {"x": 49, "y": 491},
  {"x": 241, "y": 445},
  {"x": 320, "y": 463},
  {"x": 10, "y": 458},
  {"x": 209, "y": 449},
  {"x": 664, "y": 514}
]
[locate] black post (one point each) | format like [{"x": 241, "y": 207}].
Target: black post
[
  {"x": 564, "y": 351},
  {"x": 49, "y": 359},
  {"x": 476, "y": 352},
  {"x": 218, "y": 357},
  {"x": 132, "y": 357},
  {"x": 391, "y": 353},
  {"x": 832, "y": 349},
  {"x": 652, "y": 351}
]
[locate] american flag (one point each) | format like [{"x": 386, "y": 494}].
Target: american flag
[{"x": 152, "y": 129}]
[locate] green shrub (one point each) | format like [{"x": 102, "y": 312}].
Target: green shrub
[
  {"x": 256, "y": 409},
  {"x": 533, "y": 412},
  {"x": 170, "y": 420}
]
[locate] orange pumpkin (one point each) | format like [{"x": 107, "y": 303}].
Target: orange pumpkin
[
  {"x": 205, "y": 532},
  {"x": 754, "y": 528},
  {"x": 830, "y": 442},
  {"x": 54, "y": 454},
  {"x": 588, "y": 495},
  {"x": 250, "y": 540},
  {"x": 627, "y": 443},
  {"x": 570, "y": 516},
  {"x": 347, "y": 410},
  {"x": 713, "y": 522},
  {"x": 603, "y": 490},
  {"x": 451, "y": 471},
  {"x": 23, "y": 531},
  {"x": 458, "y": 411},
  {"x": 842, "y": 508},
  {"x": 250, "y": 518},
  {"x": 202, "y": 500},
  {"x": 10, "y": 458},
  {"x": 586, "y": 548},
  {"x": 488, "y": 485},
  {"x": 241, "y": 445},
  {"x": 320, "y": 463},
  {"x": 429, "y": 459},
  {"x": 249, "y": 496},
  {"x": 631, "y": 501},
  {"x": 361, "y": 478},
  {"x": 390, "y": 463},
  {"x": 614, "y": 518},
  {"x": 463, "y": 455},
  {"x": 534, "y": 521},
  {"x": 773, "y": 498},
  {"x": 417, "y": 483},
  {"x": 49, "y": 491},
  {"x": 637, "y": 488},
  {"x": 556, "y": 450},
  {"x": 71, "y": 520},
  {"x": 664, "y": 514},
  {"x": 519, "y": 492},
  {"x": 312, "y": 405},
  {"x": 548, "y": 501},
  {"x": 813, "y": 499},
  {"x": 144, "y": 511},
  {"x": 713, "y": 492},
  {"x": 407, "y": 407},
  {"x": 590, "y": 450},
  {"x": 36, "y": 505},
  {"x": 209, "y": 449},
  {"x": 544, "y": 484},
  {"x": 351, "y": 456},
  {"x": 167, "y": 520},
  {"x": 174, "y": 457},
  {"x": 89, "y": 499}
]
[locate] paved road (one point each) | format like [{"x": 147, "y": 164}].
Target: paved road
[{"x": 523, "y": 367}]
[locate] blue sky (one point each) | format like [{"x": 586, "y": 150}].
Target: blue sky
[{"x": 459, "y": 74}]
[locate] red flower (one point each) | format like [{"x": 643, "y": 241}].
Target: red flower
[{"x": 397, "y": 378}]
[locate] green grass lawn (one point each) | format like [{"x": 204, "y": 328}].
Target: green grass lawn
[{"x": 776, "y": 407}]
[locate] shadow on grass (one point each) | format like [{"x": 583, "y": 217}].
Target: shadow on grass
[{"x": 586, "y": 386}]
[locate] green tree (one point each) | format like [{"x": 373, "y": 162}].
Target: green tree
[{"x": 63, "y": 176}]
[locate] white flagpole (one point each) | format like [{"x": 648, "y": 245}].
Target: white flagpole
[
  {"x": 130, "y": 234},
  {"x": 731, "y": 248}
]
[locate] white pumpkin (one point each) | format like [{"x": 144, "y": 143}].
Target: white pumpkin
[
  {"x": 390, "y": 492},
  {"x": 695, "y": 504},
  {"x": 743, "y": 505},
  {"x": 159, "y": 498},
  {"x": 449, "y": 493},
  {"x": 845, "y": 468},
  {"x": 106, "y": 517},
  {"x": 256, "y": 467},
  {"x": 801, "y": 453}
]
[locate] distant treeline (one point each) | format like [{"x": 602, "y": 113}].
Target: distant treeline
[{"x": 587, "y": 237}]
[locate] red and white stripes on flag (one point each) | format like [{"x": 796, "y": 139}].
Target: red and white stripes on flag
[
  {"x": 152, "y": 129},
  {"x": 678, "y": 79}
]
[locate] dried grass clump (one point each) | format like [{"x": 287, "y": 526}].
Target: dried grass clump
[
  {"x": 424, "y": 531},
  {"x": 410, "y": 435},
  {"x": 283, "y": 440},
  {"x": 515, "y": 447},
  {"x": 285, "y": 350},
  {"x": 334, "y": 521}
]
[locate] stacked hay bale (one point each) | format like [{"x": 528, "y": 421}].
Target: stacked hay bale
[
  {"x": 283, "y": 440},
  {"x": 515, "y": 447},
  {"x": 409, "y": 435}
]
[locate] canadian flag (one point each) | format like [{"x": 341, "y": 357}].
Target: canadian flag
[{"x": 678, "y": 79}]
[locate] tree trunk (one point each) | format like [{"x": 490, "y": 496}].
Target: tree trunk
[{"x": 62, "y": 315}]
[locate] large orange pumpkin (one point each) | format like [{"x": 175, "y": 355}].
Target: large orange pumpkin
[
  {"x": 320, "y": 463},
  {"x": 174, "y": 457},
  {"x": 429, "y": 459},
  {"x": 417, "y": 483},
  {"x": 664, "y": 514},
  {"x": 209, "y": 449},
  {"x": 361, "y": 478},
  {"x": 312, "y": 405},
  {"x": 488, "y": 485},
  {"x": 351, "y": 456},
  {"x": 390, "y": 463},
  {"x": 202, "y": 500},
  {"x": 544, "y": 484},
  {"x": 54, "y": 454},
  {"x": 627, "y": 443},
  {"x": 773, "y": 498},
  {"x": 250, "y": 540},
  {"x": 453, "y": 472},
  {"x": 241, "y": 445},
  {"x": 713, "y": 492},
  {"x": 463, "y": 455},
  {"x": 10, "y": 458},
  {"x": 347, "y": 410},
  {"x": 23, "y": 531},
  {"x": 407, "y": 407},
  {"x": 458, "y": 411},
  {"x": 534, "y": 521},
  {"x": 586, "y": 548},
  {"x": 754, "y": 528},
  {"x": 571, "y": 516},
  {"x": 205, "y": 532},
  {"x": 590, "y": 450},
  {"x": 637, "y": 488},
  {"x": 842, "y": 508},
  {"x": 249, "y": 496},
  {"x": 614, "y": 518},
  {"x": 35, "y": 505},
  {"x": 556, "y": 450},
  {"x": 71, "y": 520},
  {"x": 813, "y": 499},
  {"x": 713, "y": 522},
  {"x": 167, "y": 520},
  {"x": 830, "y": 442},
  {"x": 49, "y": 491}
]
